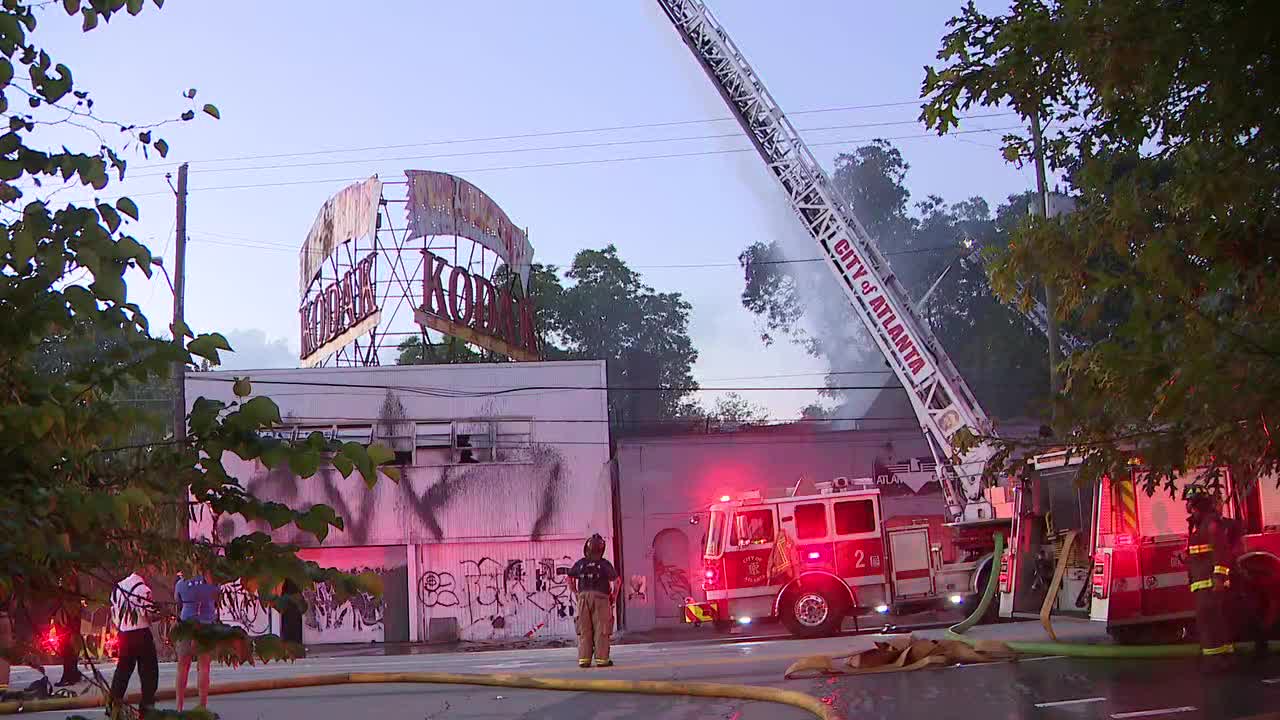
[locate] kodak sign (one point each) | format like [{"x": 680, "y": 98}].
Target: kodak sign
[
  {"x": 470, "y": 308},
  {"x": 340, "y": 311}
]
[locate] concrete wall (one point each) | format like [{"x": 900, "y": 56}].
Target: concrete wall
[
  {"x": 662, "y": 481},
  {"x": 544, "y": 493}
]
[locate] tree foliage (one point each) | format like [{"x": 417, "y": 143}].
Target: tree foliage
[
  {"x": 1164, "y": 117},
  {"x": 605, "y": 311},
  {"x": 83, "y": 500},
  {"x": 998, "y": 351}
]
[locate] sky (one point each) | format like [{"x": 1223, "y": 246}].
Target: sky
[{"x": 304, "y": 81}]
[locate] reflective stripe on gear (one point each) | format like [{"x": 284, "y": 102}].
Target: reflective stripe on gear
[
  {"x": 1220, "y": 650},
  {"x": 697, "y": 612},
  {"x": 1221, "y": 570},
  {"x": 1200, "y": 549},
  {"x": 1201, "y": 585}
]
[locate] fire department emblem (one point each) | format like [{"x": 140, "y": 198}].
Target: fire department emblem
[{"x": 753, "y": 570}]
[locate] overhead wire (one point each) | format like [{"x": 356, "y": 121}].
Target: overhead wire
[
  {"x": 525, "y": 136},
  {"x": 580, "y": 146}
]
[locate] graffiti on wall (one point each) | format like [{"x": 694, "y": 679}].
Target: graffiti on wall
[
  {"x": 360, "y": 613},
  {"x": 673, "y": 581},
  {"x": 237, "y": 606},
  {"x": 423, "y": 502},
  {"x": 499, "y": 595}
]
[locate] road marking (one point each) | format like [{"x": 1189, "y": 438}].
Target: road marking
[
  {"x": 1058, "y": 703},
  {"x": 1037, "y": 659},
  {"x": 1272, "y": 681},
  {"x": 1148, "y": 713}
]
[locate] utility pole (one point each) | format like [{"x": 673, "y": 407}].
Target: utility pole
[
  {"x": 1050, "y": 294},
  {"x": 179, "y": 287}
]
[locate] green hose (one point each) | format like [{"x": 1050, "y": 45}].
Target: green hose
[{"x": 1078, "y": 650}]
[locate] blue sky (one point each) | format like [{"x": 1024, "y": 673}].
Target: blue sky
[{"x": 298, "y": 78}]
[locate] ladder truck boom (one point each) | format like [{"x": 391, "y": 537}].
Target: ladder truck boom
[{"x": 942, "y": 401}]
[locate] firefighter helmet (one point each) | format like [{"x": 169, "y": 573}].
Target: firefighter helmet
[
  {"x": 1198, "y": 496},
  {"x": 594, "y": 546}
]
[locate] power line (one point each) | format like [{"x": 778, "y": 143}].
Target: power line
[
  {"x": 338, "y": 420},
  {"x": 524, "y": 136},
  {"x": 582, "y": 146},
  {"x": 571, "y": 163}
]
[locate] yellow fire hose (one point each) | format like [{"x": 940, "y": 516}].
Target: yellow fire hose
[
  {"x": 1079, "y": 650},
  {"x": 640, "y": 687}
]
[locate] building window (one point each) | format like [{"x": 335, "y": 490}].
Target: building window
[
  {"x": 467, "y": 442},
  {"x": 752, "y": 527},
  {"x": 854, "y": 517},
  {"x": 811, "y": 521}
]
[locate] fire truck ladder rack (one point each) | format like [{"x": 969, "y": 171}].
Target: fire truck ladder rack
[{"x": 942, "y": 401}]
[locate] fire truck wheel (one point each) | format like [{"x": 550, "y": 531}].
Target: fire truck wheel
[{"x": 813, "y": 612}]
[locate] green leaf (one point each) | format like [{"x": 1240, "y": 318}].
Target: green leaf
[
  {"x": 212, "y": 111},
  {"x": 380, "y": 454},
  {"x": 162, "y": 147},
  {"x": 242, "y": 387},
  {"x": 304, "y": 463},
  {"x": 90, "y": 19},
  {"x": 6, "y": 71},
  {"x": 262, "y": 412},
  {"x": 128, "y": 207},
  {"x": 71, "y": 6},
  {"x": 109, "y": 216},
  {"x": 208, "y": 345},
  {"x": 134, "y": 6}
]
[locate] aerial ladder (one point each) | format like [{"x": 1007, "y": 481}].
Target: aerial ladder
[{"x": 941, "y": 399}]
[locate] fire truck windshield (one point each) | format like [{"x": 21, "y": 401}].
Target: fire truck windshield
[{"x": 715, "y": 533}]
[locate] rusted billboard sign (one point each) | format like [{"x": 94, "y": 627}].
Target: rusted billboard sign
[
  {"x": 470, "y": 308},
  {"x": 341, "y": 312},
  {"x": 443, "y": 204},
  {"x": 351, "y": 214}
]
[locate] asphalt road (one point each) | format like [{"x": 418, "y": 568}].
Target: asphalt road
[{"x": 1051, "y": 688}]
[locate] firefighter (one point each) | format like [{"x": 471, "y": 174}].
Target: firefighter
[
  {"x": 1209, "y": 561},
  {"x": 595, "y": 582}
]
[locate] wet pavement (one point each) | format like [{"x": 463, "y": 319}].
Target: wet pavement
[{"x": 1052, "y": 688}]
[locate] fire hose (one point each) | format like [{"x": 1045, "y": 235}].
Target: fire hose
[
  {"x": 1078, "y": 650},
  {"x": 640, "y": 687}
]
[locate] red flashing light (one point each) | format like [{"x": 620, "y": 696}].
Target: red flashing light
[
  {"x": 712, "y": 579},
  {"x": 725, "y": 498},
  {"x": 52, "y": 642},
  {"x": 815, "y": 555},
  {"x": 710, "y": 574}
]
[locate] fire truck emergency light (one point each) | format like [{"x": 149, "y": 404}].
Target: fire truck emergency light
[
  {"x": 882, "y": 608},
  {"x": 815, "y": 555},
  {"x": 725, "y": 498},
  {"x": 744, "y": 621},
  {"x": 956, "y": 599}
]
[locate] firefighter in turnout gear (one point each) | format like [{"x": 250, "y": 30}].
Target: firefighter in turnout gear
[
  {"x": 1209, "y": 561},
  {"x": 594, "y": 580}
]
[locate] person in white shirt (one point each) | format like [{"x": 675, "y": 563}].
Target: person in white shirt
[{"x": 131, "y": 613}]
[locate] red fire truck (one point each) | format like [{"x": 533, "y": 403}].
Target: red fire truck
[
  {"x": 844, "y": 558},
  {"x": 1133, "y": 562}
]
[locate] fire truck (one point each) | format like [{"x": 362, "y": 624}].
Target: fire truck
[
  {"x": 1130, "y": 570},
  {"x": 812, "y": 559},
  {"x": 940, "y": 398}
]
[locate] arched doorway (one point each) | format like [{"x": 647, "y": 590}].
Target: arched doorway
[{"x": 670, "y": 573}]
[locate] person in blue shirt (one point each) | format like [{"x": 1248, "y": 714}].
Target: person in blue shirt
[{"x": 198, "y": 599}]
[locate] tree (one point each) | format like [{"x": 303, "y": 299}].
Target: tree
[
  {"x": 1163, "y": 117},
  {"x": 998, "y": 351},
  {"x": 609, "y": 313},
  {"x": 413, "y": 351},
  {"x": 79, "y": 497},
  {"x": 732, "y": 408}
]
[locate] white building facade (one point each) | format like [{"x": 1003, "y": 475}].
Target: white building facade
[{"x": 504, "y": 474}]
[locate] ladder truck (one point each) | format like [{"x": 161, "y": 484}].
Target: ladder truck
[
  {"x": 941, "y": 399},
  {"x": 817, "y": 593}
]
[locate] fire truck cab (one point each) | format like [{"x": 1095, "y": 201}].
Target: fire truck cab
[
  {"x": 812, "y": 560},
  {"x": 1133, "y": 545}
]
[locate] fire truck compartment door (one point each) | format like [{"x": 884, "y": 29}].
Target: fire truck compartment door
[{"x": 909, "y": 553}]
